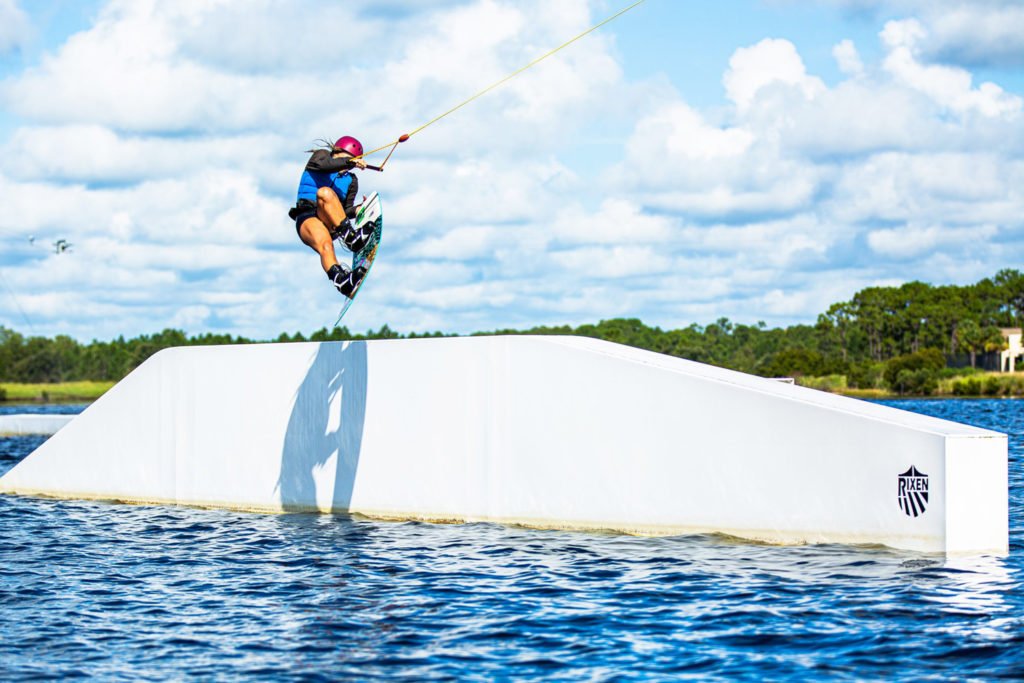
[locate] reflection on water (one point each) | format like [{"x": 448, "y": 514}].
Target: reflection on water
[
  {"x": 155, "y": 592},
  {"x": 974, "y": 585}
]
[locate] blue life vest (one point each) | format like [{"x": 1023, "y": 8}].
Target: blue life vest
[{"x": 311, "y": 181}]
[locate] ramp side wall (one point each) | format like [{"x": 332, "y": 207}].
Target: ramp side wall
[
  {"x": 550, "y": 433},
  {"x": 977, "y": 494}
]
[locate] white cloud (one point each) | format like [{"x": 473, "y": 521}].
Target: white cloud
[
  {"x": 860, "y": 117},
  {"x": 848, "y": 59},
  {"x": 691, "y": 165},
  {"x": 769, "y": 62},
  {"x": 166, "y": 141},
  {"x": 126, "y": 73},
  {"x": 775, "y": 243},
  {"x": 687, "y": 135},
  {"x": 913, "y": 241},
  {"x": 908, "y": 164},
  {"x": 464, "y": 242},
  {"x": 938, "y": 188},
  {"x": 14, "y": 26},
  {"x": 94, "y": 153},
  {"x": 949, "y": 86},
  {"x": 780, "y": 303},
  {"x": 614, "y": 222},
  {"x": 977, "y": 33},
  {"x": 614, "y": 262}
]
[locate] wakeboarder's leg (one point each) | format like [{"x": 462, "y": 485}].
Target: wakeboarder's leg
[
  {"x": 315, "y": 234},
  {"x": 331, "y": 213},
  {"x": 329, "y": 208}
]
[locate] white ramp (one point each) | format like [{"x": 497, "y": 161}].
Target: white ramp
[{"x": 556, "y": 432}]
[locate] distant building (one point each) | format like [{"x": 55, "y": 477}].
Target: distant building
[
  {"x": 994, "y": 361},
  {"x": 1008, "y": 359}
]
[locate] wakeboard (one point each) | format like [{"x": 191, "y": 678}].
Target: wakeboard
[{"x": 369, "y": 214}]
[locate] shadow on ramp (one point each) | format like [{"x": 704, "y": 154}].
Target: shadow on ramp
[{"x": 325, "y": 427}]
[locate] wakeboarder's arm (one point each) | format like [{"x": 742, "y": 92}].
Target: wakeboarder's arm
[{"x": 322, "y": 161}]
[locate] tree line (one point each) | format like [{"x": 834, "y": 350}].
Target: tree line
[{"x": 915, "y": 328}]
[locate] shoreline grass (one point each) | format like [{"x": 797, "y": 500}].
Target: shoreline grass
[
  {"x": 15, "y": 392},
  {"x": 974, "y": 385}
]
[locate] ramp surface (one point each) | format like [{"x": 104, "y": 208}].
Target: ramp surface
[{"x": 557, "y": 432}]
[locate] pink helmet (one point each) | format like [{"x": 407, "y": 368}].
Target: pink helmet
[{"x": 347, "y": 143}]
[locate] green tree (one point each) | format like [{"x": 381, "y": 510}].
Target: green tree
[
  {"x": 971, "y": 336},
  {"x": 930, "y": 361},
  {"x": 795, "y": 363},
  {"x": 1011, "y": 282}
]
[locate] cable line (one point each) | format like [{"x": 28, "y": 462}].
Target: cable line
[
  {"x": 394, "y": 143},
  {"x": 17, "y": 304}
]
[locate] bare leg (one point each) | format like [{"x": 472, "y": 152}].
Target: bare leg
[
  {"x": 328, "y": 208},
  {"x": 314, "y": 233}
]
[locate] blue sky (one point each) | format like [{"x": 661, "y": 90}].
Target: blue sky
[{"x": 692, "y": 160}]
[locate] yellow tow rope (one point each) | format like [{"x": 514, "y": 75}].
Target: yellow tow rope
[{"x": 403, "y": 138}]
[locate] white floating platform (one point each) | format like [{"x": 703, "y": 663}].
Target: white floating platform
[
  {"x": 553, "y": 432},
  {"x": 21, "y": 425}
]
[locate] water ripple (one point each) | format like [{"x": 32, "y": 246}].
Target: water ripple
[{"x": 151, "y": 593}]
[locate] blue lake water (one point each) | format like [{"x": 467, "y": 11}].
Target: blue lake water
[
  {"x": 41, "y": 409},
  {"x": 140, "y": 593}
]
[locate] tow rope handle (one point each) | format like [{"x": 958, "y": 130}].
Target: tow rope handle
[{"x": 380, "y": 168}]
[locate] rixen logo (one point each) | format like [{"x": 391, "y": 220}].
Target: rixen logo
[{"x": 912, "y": 492}]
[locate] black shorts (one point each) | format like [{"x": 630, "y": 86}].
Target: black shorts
[
  {"x": 301, "y": 212},
  {"x": 301, "y": 218}
]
